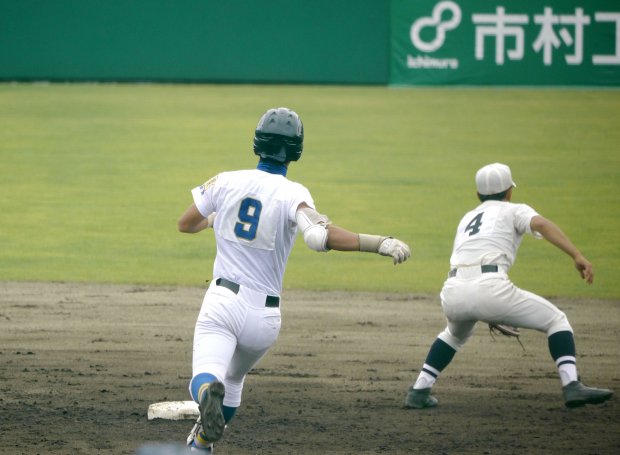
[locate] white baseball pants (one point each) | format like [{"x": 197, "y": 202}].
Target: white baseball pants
[
  {"x": 473, "y": 296},
  {"x": 233, "y": 332}
]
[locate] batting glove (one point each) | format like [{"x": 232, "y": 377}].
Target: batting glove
[{"x": 399, "y": 251}]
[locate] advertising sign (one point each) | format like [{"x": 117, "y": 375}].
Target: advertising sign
[{"x": 511, "y": 42}]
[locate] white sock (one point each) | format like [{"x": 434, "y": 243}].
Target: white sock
[
  {"x": 567, "y": 369},
  {"x": 426, "y": 380}
]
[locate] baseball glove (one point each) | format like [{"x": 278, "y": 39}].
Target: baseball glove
[{"x": 505, "y": 330}]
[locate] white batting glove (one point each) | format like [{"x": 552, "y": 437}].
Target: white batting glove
[{"x": 399, "y": 251}]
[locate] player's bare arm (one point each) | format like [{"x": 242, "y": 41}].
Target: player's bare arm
[
  {"x": 192, "y": 221},
  {"x": 552, "y": 233},
  {"x": 321, "y": 235},
  {"x": 342, "y": 240}
]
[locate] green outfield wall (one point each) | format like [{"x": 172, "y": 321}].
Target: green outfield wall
[
  {"x": 298, "y": 41},
  {"x": 397, "y": 42}
]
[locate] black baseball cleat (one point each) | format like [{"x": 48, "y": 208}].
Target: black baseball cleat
[
  {"x": 420, "y": 399},
  {"x": 576, "y": 394},
  {"x": 211, "y": 415}
]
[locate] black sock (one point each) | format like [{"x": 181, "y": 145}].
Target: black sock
[
  {"x": 440, "y": 355},
  {"x": 562, "y": 344}
]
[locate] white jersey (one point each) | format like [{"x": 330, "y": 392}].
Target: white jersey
[
  {"x": 255, "y": 226},
  {"x": 491, "y": 234}
]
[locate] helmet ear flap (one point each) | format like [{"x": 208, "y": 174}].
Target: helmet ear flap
[
  {"x": 279, "y": 135},
  {"x": 270, "y": 147}
]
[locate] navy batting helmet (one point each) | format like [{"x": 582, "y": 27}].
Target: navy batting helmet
[{"x": 279, "y": 135}]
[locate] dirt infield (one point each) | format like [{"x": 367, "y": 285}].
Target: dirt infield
[{"x": 80, "y": 364}]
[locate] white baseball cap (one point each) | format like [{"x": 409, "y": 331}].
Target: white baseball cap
[{"x": 494, "y": 178}]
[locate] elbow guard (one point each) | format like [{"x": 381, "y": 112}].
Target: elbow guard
[
  {"x": 316, "y": 237},
  {"x": 314, "y": 228}
]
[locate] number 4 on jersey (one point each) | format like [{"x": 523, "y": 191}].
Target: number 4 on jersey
[{"x": 474, "y": 225}]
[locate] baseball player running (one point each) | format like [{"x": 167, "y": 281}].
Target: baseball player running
[
  {"x": 478, "y": 288},
  {"x": 255, "y": 215}
]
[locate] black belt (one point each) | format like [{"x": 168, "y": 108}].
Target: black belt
[
  {"x": 483, "y": 269},
  {"x": 271, "y": 301}
]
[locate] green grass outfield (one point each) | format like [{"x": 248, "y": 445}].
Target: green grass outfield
[{"x": 94, "y": 177}]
